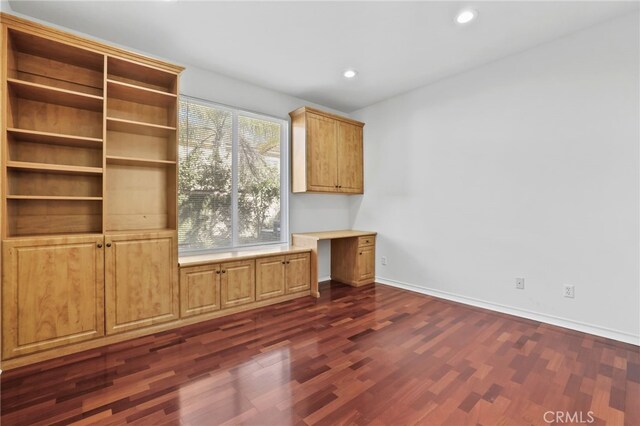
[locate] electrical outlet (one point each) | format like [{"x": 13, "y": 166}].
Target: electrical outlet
[
  {"x": 570, "y": 291},
  {"x": 520, "y": 283},
  {"x": 383, "y": 260}
]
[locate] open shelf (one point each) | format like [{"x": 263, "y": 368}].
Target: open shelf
[
  {"x": 54, "y": 138},
  {"x": 138, "y": 94},
  {"x": 51, "y": 63},
  {"x": 30, "y": 115},
  {"x": 140, "y": 197},
  {"x": 47, "y": 217},
  {"x": 138, "y": 74},
  {"x": 29, "y": 184},
  {"x": 53, "y": 168},
  {"x": 138, "y": 127},
  {"x": 133, "y": 161},
  {"x": 52, "y": 197},
  {"x": 53, "y": 95}
]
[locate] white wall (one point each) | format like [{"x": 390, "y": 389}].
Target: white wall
[
  {"x": 526, "y": 167},
  {"x": 306, "y": 212}
]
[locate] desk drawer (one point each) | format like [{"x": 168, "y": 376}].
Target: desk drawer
[{"x": 365, "y": 241}]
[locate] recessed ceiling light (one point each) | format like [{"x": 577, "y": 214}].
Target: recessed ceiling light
[
  {"x": 466, "y": 16},
  {"x": 350, "y": 73}
]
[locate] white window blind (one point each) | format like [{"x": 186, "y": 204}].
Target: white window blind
[{"x": 232, "y": 180}]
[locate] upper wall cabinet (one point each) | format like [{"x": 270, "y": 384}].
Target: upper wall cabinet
[{"x": 326, "y": 153}]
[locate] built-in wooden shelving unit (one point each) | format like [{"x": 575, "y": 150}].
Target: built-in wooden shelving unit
[
  {"x": 88, "y": 193},
  {"x": 90, "y": 141}
]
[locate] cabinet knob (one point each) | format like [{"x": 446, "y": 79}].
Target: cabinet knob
[
  {"x": 108, "y": 244},
  {"x": 288, "y": 262},
  {"x": 283, "y": 262},
  {"x": 218, "y": 272},
  {"x": 99, "y": 245},
  {"x": 224, "y": 272},
  {"x": 360, "y": 253}
]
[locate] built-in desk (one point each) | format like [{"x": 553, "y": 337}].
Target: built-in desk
[{"x": 352, "y": 256}]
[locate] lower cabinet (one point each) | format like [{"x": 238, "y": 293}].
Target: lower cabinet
[
  {"x": 270, "y": 277},
  {"x": 298, "y": 272},
  {"x": 199, "y": 290},
  {"x": 238, "y": 283},
  {"x": 280, "y": 275},
  {"x": 66, "y": 291},
  {"x": 366, "y": 265},
  {"x": 141, "y": 280},
  {"x": 353, "y": 260},
  {"x": 52, "y": 293}
]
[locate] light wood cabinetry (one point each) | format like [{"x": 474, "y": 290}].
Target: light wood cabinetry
[
  {"x": 281, "y": 275},
  {"x": 327, "y": 153},
  {"x": 322, "y": 167},
  {"x": 52, "y": 293},
  {"x": 350, "y": 172},
  {"x": 270, "y": 277},
  {"x": 298, "y": 273},
  {"x": 238, "y": 283},
  {"x": 89, "y": 136},
  {"x": 349, "y": 263},
  {"x": 366, "y": 264},
  {"x": 89, "y": 150},
  {"x": 88, "y": 206},
  {"x": 212, "y": 285},
  {"x": 353, "y": 260},
  {"x": 141, "y": 280},
  {"x": 199, "y": 290}
]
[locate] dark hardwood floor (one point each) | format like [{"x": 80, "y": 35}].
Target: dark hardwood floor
[{"x": 373, "y": 355}]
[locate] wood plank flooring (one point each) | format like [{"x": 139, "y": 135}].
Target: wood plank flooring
[{"x": 371, "y": 355}]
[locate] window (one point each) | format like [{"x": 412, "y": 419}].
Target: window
[{"x": 232, "y": 180}]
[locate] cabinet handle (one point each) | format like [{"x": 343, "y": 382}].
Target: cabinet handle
[
  {"x": 218, "y": 272},
  {"x": 360, "y": 253},
  {"x": 283, "y": 262},
  {"x": 108, "y": 244},
  {"x": 224, "y": 272},
  {"x": 288, "y": 262},
  {"x": 99, "y": 245}
]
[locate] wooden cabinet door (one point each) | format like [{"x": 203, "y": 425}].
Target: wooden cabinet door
[
  {"x": 350, "y": 170},
  {"x": 52, "y": 293},
  {"x": 238, "y": 282},
  {"x": 199, "y": 290},
  {"x": 270, "y": 277},
  {"x": 298, "y": 272},
  {"x": 322, "y": 142},
  {"x": 366, "y": 263},
  {"x": 141, "y": 280}
]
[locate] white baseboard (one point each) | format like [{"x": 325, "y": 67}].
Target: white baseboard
[
  {"x": 536, "y": 316},
  {"x": 321, "y": 279}
]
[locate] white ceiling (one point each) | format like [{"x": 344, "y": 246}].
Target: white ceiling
[{"x": 301, "y": 48}]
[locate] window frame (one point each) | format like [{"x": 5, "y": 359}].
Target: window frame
[{"x": 284, "y": 176}]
